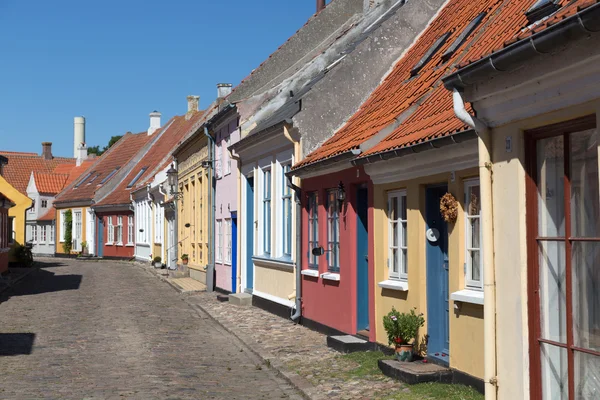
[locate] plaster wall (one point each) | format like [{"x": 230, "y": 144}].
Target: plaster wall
[
  {"x": 121, "y": 250},
  {"x": 59, "y": 227},
  {"x": 466, "y": 323},
  {"x": 275, "y": 281},
  {"x": 22, "y": 202}
]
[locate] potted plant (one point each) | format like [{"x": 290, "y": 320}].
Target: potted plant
[
  {"x": 84, "y": 248},
  {"x": 185, "y": 259},
  {"x": 402, "y": 330},
  {"x": 157, "y": 262}
]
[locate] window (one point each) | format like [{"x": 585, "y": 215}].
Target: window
[
  {"x": 63, "y": 227},
  {"x": 136, "y": 177},
  {"x": 218, "y": 152},
  {"x": 461, "y": 38},
  {"x": 219, "y": 252},
  {"x": 32, "y": 208},
  {"x": 85, "y": 178},
  {"x": 110, "y": 237},
  {"x": 107, "y": 177},
  {"x": 148, "y": 222},
  {"x": 313, "y": 229},
  {"x": 427, "y": 56},
  {"x": 44, "y": 203},
  {"x": 226, "y": 157},
  {"x": 158, "y": 223},
  {"x": 51, "y": 227},
  {"x": 130, "y": 228},
  {"x": 267, "y": 212},
  {"x": 473, "y": 270},
  {"x": 43, "y": 233},
  {"x": 119, "y": 229},
  {"x": 35, "y": 233},
  {"x": 397, "y": 236},
  {"x": 286, "y": 198},
  {"x": 77, "y": 224},
  {"x": 333, "y": 231},
  {"x": 93, "y": 179},
  {"x": 11, "y": 226},
  {"x": 228, "y": 241}
]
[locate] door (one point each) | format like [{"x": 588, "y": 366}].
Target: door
[
  {"x": 250, "y": 230},
  {"x": 563, "y": 220},
  {"x": 171, "y": 257},
  {"x": 362, "y": 259},
  {"x": 100, "y": 236},
  {"x": 233, "y": 252},
  {"x": 438, "y": 314},
  {"x": 77, "y": 233}
]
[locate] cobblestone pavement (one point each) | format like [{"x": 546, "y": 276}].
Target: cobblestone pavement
[{"x": 109, "y": 330}]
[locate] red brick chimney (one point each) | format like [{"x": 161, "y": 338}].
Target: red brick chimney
[
  {"x": 320, "y": 5},
  {"x": 47, "y": 150}
]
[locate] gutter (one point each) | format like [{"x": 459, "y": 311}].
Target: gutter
[
  {"x": 578, "y": 26},
  {"x": 345, "y": 156},
  {"x": 489, "y": 268}
]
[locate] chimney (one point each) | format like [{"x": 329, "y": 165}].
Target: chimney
[
  {"x": 223, "y": 90},
  {"x": 78, "y": 134},
  {"x": 154, "y": 122},
  {"x": 47, "y": 150},
  {"x": 193, "y": 103},
  {"x": 320, "y": 5},
  {"x": 82, "y": 154}
]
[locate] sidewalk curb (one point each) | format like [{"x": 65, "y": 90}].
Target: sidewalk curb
[{"x": 19, "y": 279}]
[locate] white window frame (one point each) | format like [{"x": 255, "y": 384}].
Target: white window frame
[
  {"x": 218, "y": 160},
  {"x": 287, "y": 210},
  {"x": 219, "y": 252},
  {"x": 470, "y": 283},
  {"x": 226, "y": 158},
  {"x": 266, "y": 204},
  {"x": 43, "y": 233},
  {"x": 110, "y": 230},
  {"x": 34, "y": 233},
  {"x": 333, "y": 231},
  {"x": 313, "y": 228},
  {"x": 130, "y": 229},
  {"x": 63, "y": 226},
  {"x": 52, "y": 226},
  {"x": 228, "y": 241},
  {"x": 119, "y": 230},
  {"x": 401, "y": 226}
]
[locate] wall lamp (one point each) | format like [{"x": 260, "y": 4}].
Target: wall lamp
[
  {"x": 172, "y": 181},
  {"x": 341, "y": 195}
]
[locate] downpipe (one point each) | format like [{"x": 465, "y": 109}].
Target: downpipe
[
  {"x": 484, "y": 145},
  {"x": 211, "y": 218},
  {"x": 298, "y": 198}
]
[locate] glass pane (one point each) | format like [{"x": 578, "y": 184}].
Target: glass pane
[
  {"x": 404, "y": 234},
  {"x": 394, "y": 227},
  {"x": 475, "y": 265},
  {"x": 474, "y": 227},
  {"x": 550, "y": 174},
  {"x": 394, "y": 260},
  {"x": 403, "y": 216},
  {"x": 404, "y": 262},
  {"x": 554, "y": 372},
  {"x": 585, "y": 258},
  {"x": 585, "y": 215},
  {"x": 474, "y": 200},
  {"x": 553, "y": 312},
  {"x": 393, "y": 209},
  {"x": 587, "y": 376}
]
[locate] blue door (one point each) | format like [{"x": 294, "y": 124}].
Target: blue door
[
  {"x": 249, "y": 233},
  {"x": 437, "y": 277},
  {"x": 100, "y": 236},
  {"x": 362, "y": 260},
  {"x": 233, "y": 251}
]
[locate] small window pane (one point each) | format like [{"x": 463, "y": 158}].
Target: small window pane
[
  {"x": 475, "y": 265},
  {"x": 587, "y": 376},
  {"x": 554, "y": 372},
  {"x": 553, "y": 313},
  {"x": 550, "y": 173},
  {"x": 404, "y": 234},
  {"x": 404, "y": 262},
  {"x": 475, "y": 232},
  {"x": 585, "y": 214},
  {"x": 586, "y": 295}
]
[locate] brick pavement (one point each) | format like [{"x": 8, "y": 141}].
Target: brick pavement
[{"x": 107, "y": 330}]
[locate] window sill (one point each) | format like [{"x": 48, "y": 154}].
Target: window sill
[
  {"x": 143, "y": 244},
  {"x": 310, "y": 272},
  {"x": 391, "y": 284},
  {"x": 119, "y": 244},
  {"x": 468, "y": 296},
  {"x": 277, "y": 263},
  {"x": 108, "y": 244},
  {"x": 129, "y": 245},
  {"x": 330, "y": 276}
]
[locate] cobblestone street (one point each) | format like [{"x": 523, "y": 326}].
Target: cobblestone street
[{"x": 108, "y": 330}]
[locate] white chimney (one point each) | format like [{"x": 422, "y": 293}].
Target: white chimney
[
  {"x": 193, "y": 103},
  {"x": 154, "y": 122},
  {"x": 82, "y": 154},
  {"x": 78, "y": 134},
  {"x": 223, "y": 90}
]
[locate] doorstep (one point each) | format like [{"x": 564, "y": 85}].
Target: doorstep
[
  {"x": 350, "y": 343},
  {"x": 415, "y": 372},
  {"x": 189, "y": 285}
]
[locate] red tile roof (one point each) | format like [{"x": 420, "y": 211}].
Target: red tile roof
[
  {"x": 49, "y": 183},
  {"x": 399, "y": 91},
  {"x": 49, "y": 216},
  {"x": 156, "y": 159},
  {"x": 20, "y": 166},
  {"x": 117, "y": 156}
]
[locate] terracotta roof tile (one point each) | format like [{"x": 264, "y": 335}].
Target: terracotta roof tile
[
  {"x": 49, "y": 183},
  {"x": 20, "y": 166},
  {"x": 117, "y": 156},
  {"x": 49, "y": 216},
  {"x": 157, "y": 157}
]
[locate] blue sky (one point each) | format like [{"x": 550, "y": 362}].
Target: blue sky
[{"x": 115, "y": 61}]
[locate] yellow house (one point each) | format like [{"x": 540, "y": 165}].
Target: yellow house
[{"x": 16, "y": 214}]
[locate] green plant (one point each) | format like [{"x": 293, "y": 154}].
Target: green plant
[
  {"x": 68, "y": 224},
  {"x": 402, "y": 328},
  {"x": 84, "y": 244},
  {"x": 23, "y": 255},
  {"x": 157, "y": 259},
  {"x": 184, "y": 257}
]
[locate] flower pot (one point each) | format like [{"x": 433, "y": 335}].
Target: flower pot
[
  {"x": 185, "y": 261},
  {"x": 157, "y": 265},
  {"x": 404, "y": 352}
]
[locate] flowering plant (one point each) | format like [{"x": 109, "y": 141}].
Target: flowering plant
[{"x": 402, "y": 328}]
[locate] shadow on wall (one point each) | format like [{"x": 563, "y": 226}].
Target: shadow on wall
[{"x": 16, "y": 344}]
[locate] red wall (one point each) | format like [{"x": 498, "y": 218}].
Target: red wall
[
  {"x": 329, "y": 302},
  {"x": 114, "y": 250}
]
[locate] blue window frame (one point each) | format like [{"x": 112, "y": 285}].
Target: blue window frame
[
  {"x": 313, "y": 229},
  {"x": 333, "y": 231},
  {"x": 267, "y": 212},
  {"x": 286, "y": 197}
]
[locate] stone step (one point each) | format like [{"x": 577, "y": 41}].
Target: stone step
[
  {"x": 349, "y": 343},
  {"x": 223, "y": 297},
  {"x": 415, "y": 372},
  {"x": 241, "y": 299}
]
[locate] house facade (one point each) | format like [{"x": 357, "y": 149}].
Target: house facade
[{"x": 542, "y": 124}]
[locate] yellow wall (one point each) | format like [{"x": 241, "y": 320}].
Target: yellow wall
[
  {"x": 59, "y": 244},
  {"x": 22, "y": 203},
  {"x": 466, "y": 325},
  {"x": 510, "y": 246},
  {"x": 274, "y": 281},
  {"x": 193, "y": 208}
]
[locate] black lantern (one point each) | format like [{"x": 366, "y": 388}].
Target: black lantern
[
  {"x": 172, "y": 182},
  {"x": 341, "y": 194}
]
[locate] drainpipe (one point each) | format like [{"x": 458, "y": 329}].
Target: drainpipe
[
  {"x": 210, "y": 270},
  {"x": 489, "y": 273}
]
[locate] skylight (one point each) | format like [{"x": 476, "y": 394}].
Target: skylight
[
  {"x": 138, "y": 175},
  {"x": 461, "y": 38},
  {"x": 84, "y": 179},
  {"x": 107, "y": 177},
  {"x": 93, "y": 179},
  {"x": 541, "y": 9},
  {"x": 432, "y": 50}
]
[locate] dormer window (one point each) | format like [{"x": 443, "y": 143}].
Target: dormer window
[
  {"x": 541, "y": 9},
  {"x": 107, "y": 177},
  {"x": 84, "y": 179},
  {"x": 427, "y": 56},
  {"x": 137, "y": 176},
  {"x": 461, "y": 38}
]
